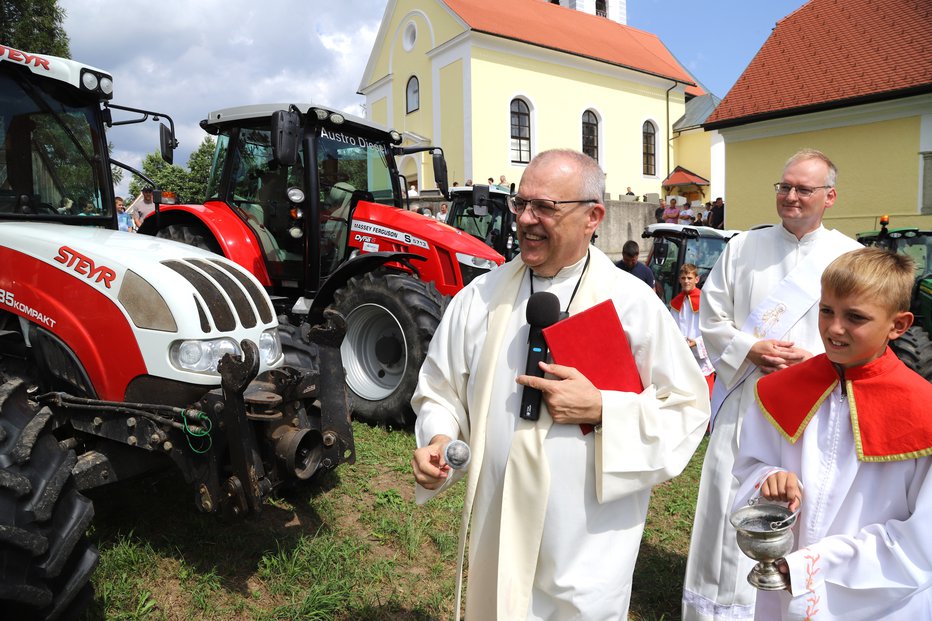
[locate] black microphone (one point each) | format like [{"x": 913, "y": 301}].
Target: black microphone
[{"x": 543, "y": 309}]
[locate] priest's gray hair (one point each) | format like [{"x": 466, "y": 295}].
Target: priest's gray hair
[
  {"x": 815, "y": 154},
  {"x": 591, "y": 177}
]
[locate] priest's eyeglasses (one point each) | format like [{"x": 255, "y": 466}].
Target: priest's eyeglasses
[
  {"x": 802, "y": 191},
  {"x": 542, "y": 208}
]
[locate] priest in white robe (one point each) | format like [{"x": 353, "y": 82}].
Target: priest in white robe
[
  {"x": 778, "y": 268},
  {"x": 554, "y": 511}
]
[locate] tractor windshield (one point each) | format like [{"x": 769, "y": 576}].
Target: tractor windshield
[
  {"x": 919, "y": 249},
  {"x": 50, "y": 153}
]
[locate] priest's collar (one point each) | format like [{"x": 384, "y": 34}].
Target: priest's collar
[{"x": 807, "y": 238}]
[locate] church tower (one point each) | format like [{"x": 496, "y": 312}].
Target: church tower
[{"x": 615, "y": 10}]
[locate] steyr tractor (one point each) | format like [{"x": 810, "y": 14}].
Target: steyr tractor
[
  {"x": 310, "y": 201},
  {"x": 915, "y": 347},
  {"x": 122, "y": 354},
  {"x": 482, "y": 211}
]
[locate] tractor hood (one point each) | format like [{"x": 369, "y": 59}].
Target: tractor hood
[{"x": 166, "y": 292}]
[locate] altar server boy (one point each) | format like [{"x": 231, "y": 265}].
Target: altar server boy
[
  {"x": 846, "y": 437},
  {"x": 685, "y": 309}
]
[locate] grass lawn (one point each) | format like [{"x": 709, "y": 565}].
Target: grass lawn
[{"x": 352, "y": 546}]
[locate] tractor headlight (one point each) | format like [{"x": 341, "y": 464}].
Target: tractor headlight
[
  {"x": 476, "y": 262},
  {"x": 472, "y": 266},
  {"x": 270, "y": 346},
  {"x": 202, "y": 356}
]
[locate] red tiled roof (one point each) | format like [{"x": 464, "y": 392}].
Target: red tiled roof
[
  {"x": 832, "y": 53},
  {"x": 683, "y": 176},
  {"x": 541, "y": 23}
]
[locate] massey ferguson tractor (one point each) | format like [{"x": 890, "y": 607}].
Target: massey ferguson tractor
[
  {"x": 309, "y": 200},
  {"x": 121, "y": 354}
]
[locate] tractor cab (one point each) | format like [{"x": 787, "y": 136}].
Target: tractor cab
[
  {"x": 482, "y": 211},
  {"x": 674, "y": 245}
]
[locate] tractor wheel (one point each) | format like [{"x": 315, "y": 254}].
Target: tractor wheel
[
  {"x": 390, "y": 319},
  {"x": 46, "y": 561},
  {"x": 195, "y": 235},
  {"x": 915, "y": 350},
  {"x": 298, "y": 353}
]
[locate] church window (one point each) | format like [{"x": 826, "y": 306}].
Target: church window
[
  {"x": 590, "y": 134},
  {"x": 520, "y": 132},
  {"x": 413, "y": 95},
  {"x": 649, "y": 148}
]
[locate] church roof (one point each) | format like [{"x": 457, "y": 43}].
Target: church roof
[
  {"x": 551, "y": 26},
  {"x": 698, "y": 109},
  {"x": 834, "y": 53}
]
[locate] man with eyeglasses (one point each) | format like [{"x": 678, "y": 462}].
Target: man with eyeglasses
[
  {"x": 554, "y": 507},
  {"x": 759, "y": 314}
]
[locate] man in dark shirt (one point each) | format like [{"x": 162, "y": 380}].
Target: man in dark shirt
[
  {"x": 629, "y": 263},
  {"x": 717, "y": 215}
]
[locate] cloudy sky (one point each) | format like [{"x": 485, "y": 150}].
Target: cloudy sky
[{"x": 186, "y": 58}]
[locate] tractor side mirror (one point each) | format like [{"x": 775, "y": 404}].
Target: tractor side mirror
[
  {"x": 480, "y": 200},
  {"x": 166, "y": 144},
  {"x": 286, "y": 126},
  {"x": 440, "y": 173},
  {"x": 659, "y": 254}
]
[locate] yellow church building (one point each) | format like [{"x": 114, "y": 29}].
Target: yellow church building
[{"x": 494, "y": 82}]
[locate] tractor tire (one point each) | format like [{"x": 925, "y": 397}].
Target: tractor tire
[
  {"x": 46, "y": 560},
  {"x": 195, "y": 235},
  {"x": 298, "y": 353},
  {"x": 390, "y": 320},
  {"x": 915, "y": 350}
]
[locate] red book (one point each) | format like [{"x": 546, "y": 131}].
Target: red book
[{"x": 594, "y": 343}]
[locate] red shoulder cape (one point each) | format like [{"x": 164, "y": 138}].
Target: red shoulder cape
[
  {"x": 891, "y": 415},
  {"x": 677, "y": 302}
]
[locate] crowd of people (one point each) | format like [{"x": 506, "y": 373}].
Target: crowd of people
[
  {"x": 680, "y": 210},
  {"x": 808, "y": 408}
]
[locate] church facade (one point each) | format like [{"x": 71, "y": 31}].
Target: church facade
[{"x": 493, "y": 83}]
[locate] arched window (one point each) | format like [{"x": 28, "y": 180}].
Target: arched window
[
  {"x": 649, "y": 133},
  {"x": 520, "y": 132},
  {"x": 413, "y": 95},
  {"x": 590, "y": 134}
]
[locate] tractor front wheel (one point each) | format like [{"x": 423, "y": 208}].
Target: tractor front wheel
[{"x": 46, "y": 561}]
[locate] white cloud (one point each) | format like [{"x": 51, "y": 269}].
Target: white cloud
[{"x": 185, "y": 59}]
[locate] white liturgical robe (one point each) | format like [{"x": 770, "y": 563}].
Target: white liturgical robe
[
  {"x": 864, "y": 534},
  {"x": 750, "y": 268},
  {"x": 590, "y": 533}
]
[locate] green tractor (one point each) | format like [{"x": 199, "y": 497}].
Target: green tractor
[{"x": 915, "y": 347}]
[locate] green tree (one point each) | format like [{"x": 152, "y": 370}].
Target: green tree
[
  {"x": 34, "y": 26},
  {"x": 189, "y": 185},
  {"x": 199, "y": 169}
]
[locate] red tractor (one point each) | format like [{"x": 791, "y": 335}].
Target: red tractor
[
  {"x": 310, "y": 201},
  {"x": 122, "y": 354}
]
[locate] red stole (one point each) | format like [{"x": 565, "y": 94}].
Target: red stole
[
  {"x": 677, "y": 302},
  {"x": 890, "y": 412}
]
